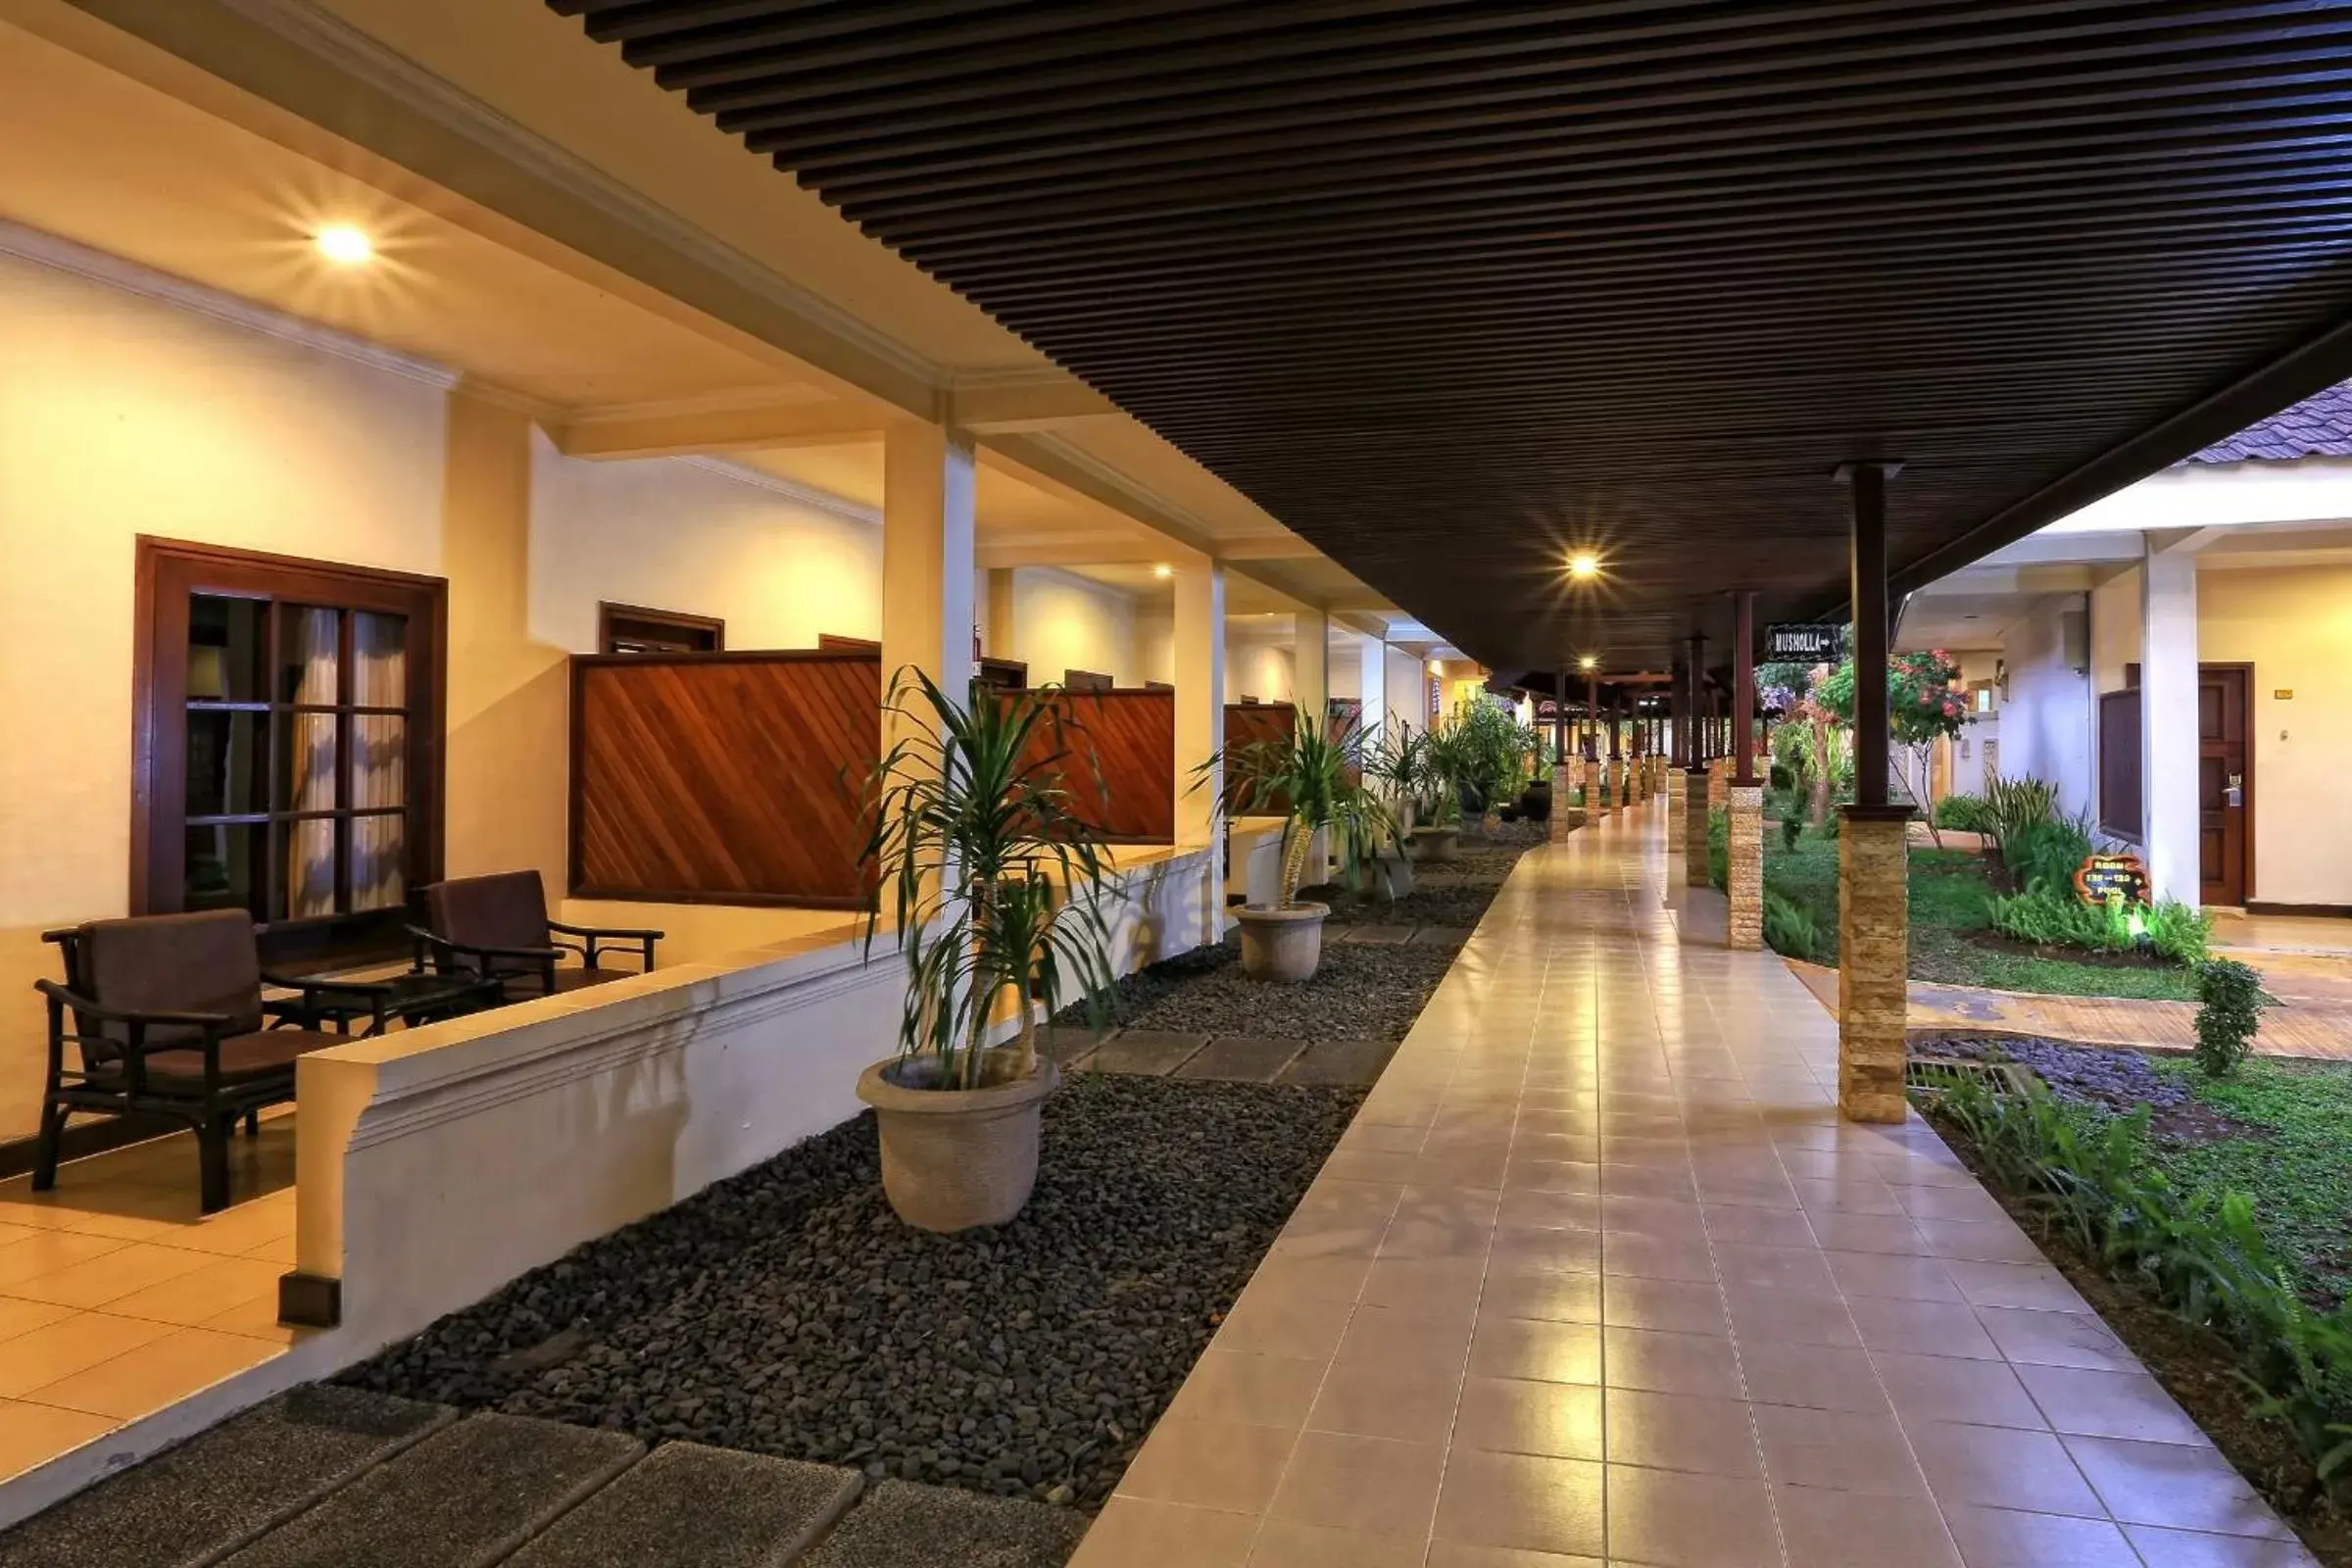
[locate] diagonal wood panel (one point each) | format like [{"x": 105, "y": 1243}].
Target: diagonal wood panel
[
  {"x": 1117, "y": 759},
  {"x": 731, "y": 778}
]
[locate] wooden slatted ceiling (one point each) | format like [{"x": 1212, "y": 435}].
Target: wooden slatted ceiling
[
  {"x": 1448, "y": 287},
  {"x": 729, "y": 778}
]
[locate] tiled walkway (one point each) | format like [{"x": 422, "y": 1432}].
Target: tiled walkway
[{"x": 1597, "y": 1275}]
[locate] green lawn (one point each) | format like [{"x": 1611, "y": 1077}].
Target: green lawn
[
  {"x": 2297, "y": 1166},
  {"x": 1948, "y": 894}
]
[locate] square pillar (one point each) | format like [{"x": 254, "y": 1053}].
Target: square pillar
[
  {"x": 1745, "y": 884},
  {"x": 1719, "y": 778},
  {"x": 1874, "y": 961},
  {"x": 1596, "y": 793},
  {"x": 1310, "y": 664},
  {"x": 1372, "y": 683},
  {"x": 2171, "y": 819},
  {"x": 1198, "y": 637},
  {"x": 1695, "y": 833},
  {"x": 1676, "y": 825},
  {"x": 927, "y": 565}
]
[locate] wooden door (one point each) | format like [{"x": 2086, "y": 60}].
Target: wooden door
[{"x": 2225, "y": 785}]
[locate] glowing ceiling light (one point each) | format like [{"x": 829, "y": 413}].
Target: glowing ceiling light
[
  {"x": 1163, "y": 569},
  {"x": 345, "y": 244},
  {"x": 1584, "y": 566},
  {"x": 1437, "y": 666},
  {"x": 1587, "y": 661}
]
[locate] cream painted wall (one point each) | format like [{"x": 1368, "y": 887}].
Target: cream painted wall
[
  {"x": 673, "y": 534},
  {"x": 2114, "y": 629},
  {"x": 1155, "y": 643},
  {"x": 1064, "y": 623},
  {"x": 1408, "y": 690},
  {"x": 2046, "y": 729},
  {"x": 1255, "y": 667},
  {"x": 2294, "y": 626}
]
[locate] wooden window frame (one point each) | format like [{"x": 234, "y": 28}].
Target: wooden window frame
[
  {"x": 608, "y": 611},
  {"x": 169, "y": 573}
]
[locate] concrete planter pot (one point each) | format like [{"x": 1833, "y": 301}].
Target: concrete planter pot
[
  {"x": 1282, "y": 944},
  {"x": 1435, "y": 844},
  {"x": 956, "y": 1159},
  {"x": 1386, "y": 879}
]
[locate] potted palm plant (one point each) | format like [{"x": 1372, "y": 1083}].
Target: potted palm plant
[
  {"x": 1316, "y": 781},
  {"x": 994, "y": 884},
  {"x": 1448, "y": 768}
]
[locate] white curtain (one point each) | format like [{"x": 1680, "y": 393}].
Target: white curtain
[
  {"x": 312, "y": 649},
  {"x": 379, "y": 761}
]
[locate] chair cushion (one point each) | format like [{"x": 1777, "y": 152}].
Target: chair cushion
[
  {"x": 506, "y": 909},
  {"x": 244, "y": 1059},
  {"x": 203, "y": 962}
]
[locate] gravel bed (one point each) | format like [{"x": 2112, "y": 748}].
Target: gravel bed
[
  {"x": 1455, "y": 893},
  {"x": 2116, "y": 1079},
  {"x": 786, "y": 1311},
  {"x": 1359, "y": 992}
]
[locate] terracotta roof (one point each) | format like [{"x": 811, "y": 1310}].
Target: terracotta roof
[{"x": 2317, "y": 427}]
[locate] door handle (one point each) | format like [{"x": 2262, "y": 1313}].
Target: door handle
[{"x": 2236, "y": 794}]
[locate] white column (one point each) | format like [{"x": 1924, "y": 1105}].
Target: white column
[
  {"x": 1373, "y": 683},
  {"x": 2168, "y": 721},
  {"x": 927, "y": 566},
  {"x": 1199, "y": 647},
  {"x": 1310, "y": 664}
]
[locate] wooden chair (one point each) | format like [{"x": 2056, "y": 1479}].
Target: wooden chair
[
  {"x": 496, "y": 926},
  {"x": 169, "y": 1020}
]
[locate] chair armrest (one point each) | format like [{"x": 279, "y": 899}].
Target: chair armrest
[
  {"x": 533, "y": 955},
  {"x": 84, "y": 1006},
  {"x": 615, "y": 933}
]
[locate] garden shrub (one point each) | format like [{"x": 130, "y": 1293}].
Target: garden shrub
[
  {"x": 1719, "y": 848},
  {"x": 1788, "y": 928},
  {"x": 2049, "y": 851},
  {"x": 1964, "y": 814},
  {"x": 1793, "y": 828},
  {"x": 2229, "y": 1004},
  {"x": 2199, "y": 1254},
  {"x": 2180, "y": 932},
  {"x": 1781, "y": 778},
  {"x": 2051, "y": 914}
]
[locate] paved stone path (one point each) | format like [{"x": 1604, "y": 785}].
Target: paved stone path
[
  {"x": 1599, "y": 1275},
  {"x": 329, "y": 1477},
  {"x": 2314, "y": 1019},
  {"x": 1231, "y": 1058}
]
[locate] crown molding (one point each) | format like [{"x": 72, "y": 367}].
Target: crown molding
[
  {"x": 807, "y": 495},
  {"x": 62, "y": 255},
  {"x": 351, "y": 50}
]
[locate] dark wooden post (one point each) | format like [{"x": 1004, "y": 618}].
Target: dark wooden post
[
  {"x": 1559, "y": 720},
  {"x": 1867, "y": 559},
  {"x": 1593, "y": 716},
  {"x": 1744, "y": 687}
]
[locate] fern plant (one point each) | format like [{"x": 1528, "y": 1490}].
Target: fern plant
[{"x": 1314, "y": 779}]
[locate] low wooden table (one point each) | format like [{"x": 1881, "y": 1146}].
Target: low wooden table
[{"x": 407, "y": 998}]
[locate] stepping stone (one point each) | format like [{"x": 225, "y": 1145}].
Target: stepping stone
[
  {"x": 1380, "y": 936},
  {"x": 221, "y": 1489},
  {"x": 464, "y": 1498},
  {"x": 1242, "y": 1059},
  {"x": 691, "y": 1506},
  {"x": 1340, "y": 1061},
  {"x": 1070, "y": 1046},
  {"x": 1145, "y": 1053},
  {"x": 902, "y": 1525},
  {"x": 1440, "y": 936}
]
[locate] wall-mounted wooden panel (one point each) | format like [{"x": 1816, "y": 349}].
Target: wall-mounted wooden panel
[
  {"x": 1120, "y": 763},
  {"x": 1246, "y": 725},
  {"x": 723, "y": 778}
]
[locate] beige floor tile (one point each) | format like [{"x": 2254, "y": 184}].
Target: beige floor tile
[
  {"x": 1760, "y": 1315},
  {"x": 1434, "y": 1286},
  {"x": 2185, "y": 1548},
  {"x": 1820, "y": 1377},
  {"x": 151, "y": 1376},
  {"x": 50, "y": 1253},
  {"x": 1406, "y": 1341},
  {"x": 1280, "y": 1322},
  {"x": 71, "y": 1345},
  {"x": 1225, "y": 1465},
  {"x": 110, "y": 1276},
  {"x": 2010, "y": 1538},
  {"x": 1842, "y": 1529},
  {"x": 1371, "y": 1484},
  {"x": 1676, "y": 1432},
  {"x": 1131, "y": 1532},
  {"x": 1921, "y": 1328},
  {"x": 1536, "y": 1349},
  {"x": 1837, "y": 1451},
  {"x": 1286, "y": 1543},
  {"x": 2177, "y": 1486},
  {"x": 1680, "y": 1520},
  {"x": 1524, "y": 1501},
  {"x": 1512, "y": 1415},
  {"x": 1670, "y": 1363},
  {"x": 1454, "y": 1555},
  {"x": 2108, "y": 1404},
  {"x": 240, "y": 1229},
  {"x": 23, "y": 1317},
  {"x": 257, "y": 1318},
  {"x": 2056, "y": 1338},
  {"x": 1266, "y": 1391},
  {"x": 1936, "y": 1388},
  {"x": 193, "y": 1298},
  {"x": 2001, "y": 1467},
  {"x": 35, "y": 1434},
  {"x": 1374, "y": 1399}
]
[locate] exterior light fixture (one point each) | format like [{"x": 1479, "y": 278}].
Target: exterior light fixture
[
  {"x": 1163, "y": 569},
  {"x": 1437, "y": 666},
  {"x": 1587, "y": 661},
  {"x": 344, "y": 244},
  {"x": 1584, "y": 566}
]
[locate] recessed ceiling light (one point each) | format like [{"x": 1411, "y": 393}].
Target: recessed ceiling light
[
  {"x": 1587, "y": 661},
  {"x": 345, "y": 244},
  {"x": 1584, "y": 566},
  {"x": 1163, "y": 569}
]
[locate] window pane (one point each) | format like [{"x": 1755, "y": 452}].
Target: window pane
[
  {"x": 228, "y": 642},
  {"x": 379, "y": 761},
  {"x": 309, "y": 643},
  {"x": 225, "y": 868},
  {"x": 310, "y": 868},
  {"x": 379, "y": 673},
  {"x": 379, "y": 855},
  {"x": 228, "y": 775},
  {"x": 306, "y": 762}
]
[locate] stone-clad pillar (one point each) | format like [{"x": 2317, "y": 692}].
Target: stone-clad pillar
[
  {"x": 1874, "y": 953},
  {"x": 1596, "y": 793},
  {"x": 1695, "y": 834},
  {"x": 1745, "y": 884},
  {"x": 1719, "y": 777},
  {"x": 1676, "y": 826}
]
